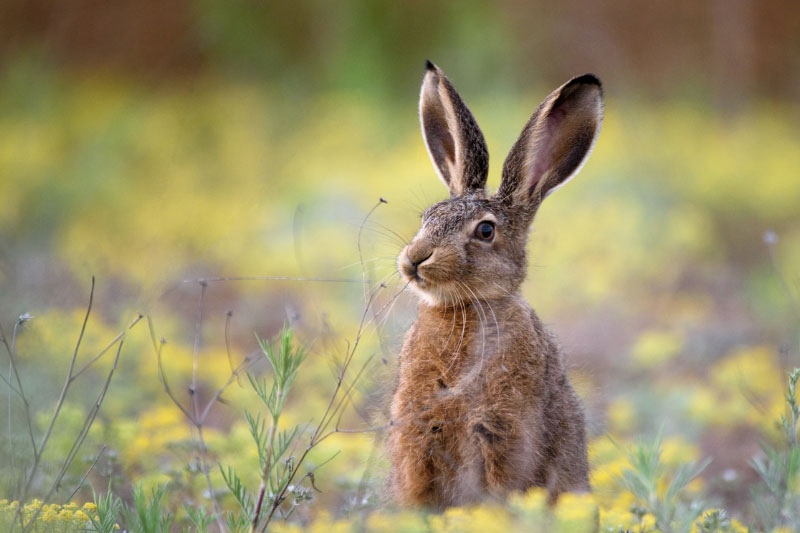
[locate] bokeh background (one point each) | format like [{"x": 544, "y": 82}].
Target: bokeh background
[{"x": 148, "y": 143}]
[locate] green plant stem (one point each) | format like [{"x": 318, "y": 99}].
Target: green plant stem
[
  {"x": 325, "y": 420},
  {"x": 267, "y": 464}
]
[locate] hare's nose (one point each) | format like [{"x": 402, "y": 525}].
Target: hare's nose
[
  {"x": 418, "y": 260},
  {"x": 418, "y": 252},
  {"x": 409, "y": 267},
  {"x": 415, "y": 255}
]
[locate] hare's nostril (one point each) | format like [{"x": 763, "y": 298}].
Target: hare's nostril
[
  {"x": 419, "y": 260},
  {"x": 408, "y": 267},
  {"x": 413, "y": 256}
]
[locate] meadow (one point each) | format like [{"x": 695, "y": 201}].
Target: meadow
[{"x": 201, "y": 219}]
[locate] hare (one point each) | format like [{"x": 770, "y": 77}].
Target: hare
[{"x": 483, "y": 405}]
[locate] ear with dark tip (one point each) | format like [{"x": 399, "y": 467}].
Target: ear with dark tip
[
  {"x": 453, "y": 138},
  {"x": 555, "y": 142}
]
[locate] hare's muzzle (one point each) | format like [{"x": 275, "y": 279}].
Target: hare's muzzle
[{"x": 412, "y": 256}]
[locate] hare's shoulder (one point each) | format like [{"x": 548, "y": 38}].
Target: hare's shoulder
[{"x": 523, "y": 328}]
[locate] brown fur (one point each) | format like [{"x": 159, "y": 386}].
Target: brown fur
[{"x": 483, "y": 405}]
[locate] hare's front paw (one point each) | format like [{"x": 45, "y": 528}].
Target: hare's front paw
[
  {"x": 485, "y": 435},
  {"x": 494, "y": 441},
  {"x": 490, "y": 430}
]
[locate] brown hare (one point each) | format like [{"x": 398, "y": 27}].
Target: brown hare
[{"x": 483, "y": 405}]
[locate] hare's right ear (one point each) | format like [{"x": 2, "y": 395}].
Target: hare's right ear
[
  {"x": 555, "y": 142},
  {"x": 453, "y": 138}
]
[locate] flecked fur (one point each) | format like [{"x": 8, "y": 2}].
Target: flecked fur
[{"x": 483, "y": 405}]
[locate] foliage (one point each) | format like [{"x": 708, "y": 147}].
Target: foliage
[
  {"x": 147, "y": 514},
  {"x": 108, "y": 509},
  {"x": 777, "y": 500},
  {"x": 651, "y": 485},
  {"x": 658, "y": 495},
  {"x": 273, "y": 445}
]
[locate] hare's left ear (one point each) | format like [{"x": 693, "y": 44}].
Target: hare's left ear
[
  {"x": 555, "y": 142},
  {"x": 453, "y": 138}
]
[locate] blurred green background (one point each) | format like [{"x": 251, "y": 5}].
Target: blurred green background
[{"x": 148, "y": 142}]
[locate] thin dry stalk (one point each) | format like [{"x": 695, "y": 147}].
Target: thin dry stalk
[
  {"x": 72, "y": 375},
  {"x": 198, "y": 422},
  {"x": 86, "y": 474},
  {"x": 19, "y": 390},
  {"x": 87, "y": 425},
  {"x": 194, "y": 415},
  {"x": 270, "y": 278},
  {"x": 198, "y": 329},
  {"x": 358, "y": 245},
  {"x": 333, "y": 405}
]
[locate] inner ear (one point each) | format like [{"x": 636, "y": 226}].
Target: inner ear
[
  {"x": 555, "y": 142},
  {"x": 564, "y": 142},
  {"x": 443, "y": 152},
  {"x": 453, "y": 138},
  {"x": 548, "y": 147}
]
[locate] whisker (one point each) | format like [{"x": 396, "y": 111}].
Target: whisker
[
  {"x": 494, "y": 317},
  {"x": 388, "y": 231}
]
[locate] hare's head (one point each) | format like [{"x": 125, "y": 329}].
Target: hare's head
[{"x": 473, "y": 244}]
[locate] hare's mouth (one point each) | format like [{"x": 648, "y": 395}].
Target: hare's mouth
[
  {"x": 419, "y": 282},
  {"x": 436, "y": 293}
]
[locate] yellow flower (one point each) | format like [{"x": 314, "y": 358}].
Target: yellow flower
[
  {"x": 324, "y": 523},
  {"x": 696, "y": 485},
  {"x": 735, "y": 527},
  {"x": 576, "y": 512},
  {"x": 677, "y": 450},
  {"x": 621, "y": 415},
  {"x": 603, "y": 450},
  {"x": 617, "y": 517},
  {"x": 703, "y": 405},
  {"x": 754, "y": 370},
  {"x": 285, "y": 527},
  {"x": 738, "y": 527},
  {"x": 478, "y": 519},
  {"x": 65, "y": 515},
  {"x": 391, "y": 523},
  {"x": 655, "y": 348},
  {"x": 89, "y": 506},
  {"x": 623, "y": 501},
  {"x": 648, "y": 523},
  {"x": 605, "y": 480},
  {"x": 80, "y": 515},
  {"x": 534, "y": 500}
]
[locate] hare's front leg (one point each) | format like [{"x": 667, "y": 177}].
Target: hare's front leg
[
  {"x": 412, "y": 472},
  {"x": 418, "y": 454},
  {"x": 497, "y": 442}
]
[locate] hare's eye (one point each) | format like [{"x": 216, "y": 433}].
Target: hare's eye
[{"x": 485, "y": 231}]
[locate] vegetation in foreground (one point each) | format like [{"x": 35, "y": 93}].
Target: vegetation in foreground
[{"x": 640, "y": 487}]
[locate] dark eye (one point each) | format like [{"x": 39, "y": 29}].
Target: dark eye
[{"x": 485, "y": 231}]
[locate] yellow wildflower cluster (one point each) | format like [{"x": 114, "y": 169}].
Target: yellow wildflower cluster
[
  {"x": 529, "y": 511},
  {"x": 743, "y": 391},
  {"x": 51, "y": 517}
]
